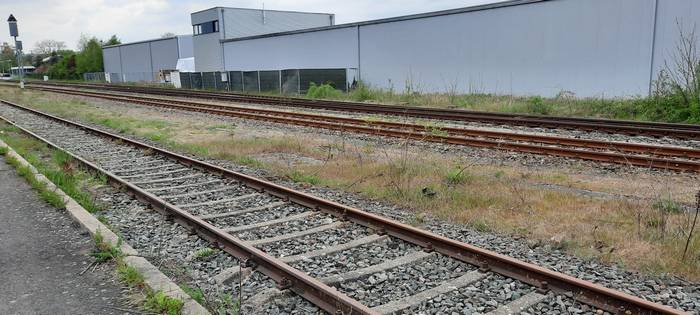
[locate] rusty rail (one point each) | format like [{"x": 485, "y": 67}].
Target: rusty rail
[
  {"x": 328, "y": 298},
  {"x": 654, "y": 129},
  {"x": 453, "y": 135}
]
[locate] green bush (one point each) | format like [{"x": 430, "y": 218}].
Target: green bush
[
  {"x": 537, "y": 105},
  {"x": 323, "y": 91}
]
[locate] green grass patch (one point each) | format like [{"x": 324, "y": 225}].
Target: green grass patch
[
  {"x": 58, "y": 166},
  {"x": 160, "y": 303},
  {"x": 204, "y": 252},
  {"x": 228, "y": 306},
  {"x": 299, "y": 177},
  {"x": 104, "y": 251},
  {"x": 323, "y": 91},
  {"x": 668, "y": 206},
  {"x": 480, "y": 226},
  {"x": 46, "y": 194},
  {"x": 195, "y": 293},
  {"x": 129, "y": 275},
  {"x": 457, "y": 176}
]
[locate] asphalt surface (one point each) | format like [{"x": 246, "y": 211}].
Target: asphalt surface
[{"x": 42, "y": 255}]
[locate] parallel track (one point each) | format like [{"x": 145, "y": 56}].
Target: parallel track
[
  {"x": 653, "y": 129},
  {"x": 643, "y": 155},
  {"x": 155, "y": 176}
]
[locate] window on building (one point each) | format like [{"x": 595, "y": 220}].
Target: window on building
[{"x": 205, "y": 28}]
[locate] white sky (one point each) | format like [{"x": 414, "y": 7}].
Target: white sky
[{"x": 133, "y": 20}]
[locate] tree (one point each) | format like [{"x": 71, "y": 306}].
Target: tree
[
  {"x": 7, "y": 53},
  {"x": 47, "y": 46},
  {"x": 90, "y": 57},
  {"x": 168, "y": 34},
  {"x": 114, "y": 40}
]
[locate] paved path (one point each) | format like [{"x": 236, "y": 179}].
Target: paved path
[{"x": 41, "y": 256}]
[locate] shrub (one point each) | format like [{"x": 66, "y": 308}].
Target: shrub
[
  {"x": 537, "y": 105},
  {"x": 323, "y": 91}
]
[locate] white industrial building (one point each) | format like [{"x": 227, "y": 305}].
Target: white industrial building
[
  {"x": 144, "y": 60},
  {"x": 592, "y": 48}
]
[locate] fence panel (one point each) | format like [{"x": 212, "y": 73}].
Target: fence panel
[
  {"x": 270, "y": 81},
  {"x": 290, "y": 81},
  {"x": 186, "y": 80},
  {"x": 337, "y": 78},
  {"x": 196, "y": 80},
  {"x": 251, "y": 81},
  {"x": 235, "y": 81}
]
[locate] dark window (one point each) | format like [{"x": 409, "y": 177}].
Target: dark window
[{"x": 206, "y": 28}]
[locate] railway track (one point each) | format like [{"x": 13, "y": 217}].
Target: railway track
[
  {"x": 283, "y": 234},
  {"x": 652, "y": 129},
  {"x": 642, "y": 155}
]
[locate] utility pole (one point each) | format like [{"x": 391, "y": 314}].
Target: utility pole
[{"x": 18, "y": 48}]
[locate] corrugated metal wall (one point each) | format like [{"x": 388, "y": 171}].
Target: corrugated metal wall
[
  {"x": 112, "y": 60},
  {"x": 235, "y": 22},
  {"x": 207, "y": 52},
  {"x": 244, "y": 22},
  {"x": 672, "y": 15},
  {"x": 185, "y": 46},
  {"x": 136, "y": 62},
  {"x": 141, "y": 61},
  {"x": 326, "y": 49},
  {"x": 590, "y": 47},
  {"x": 164, "y": 54}
]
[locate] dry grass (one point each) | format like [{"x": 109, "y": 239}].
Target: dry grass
[{"x": 636, "y": 233}]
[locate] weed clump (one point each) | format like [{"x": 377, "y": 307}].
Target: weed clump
[
  {"x": 323, "y": 91},
  {"x": 160, "y": 303}
]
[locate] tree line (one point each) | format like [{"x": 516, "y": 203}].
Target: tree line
[{"x": 52, "y": 58}]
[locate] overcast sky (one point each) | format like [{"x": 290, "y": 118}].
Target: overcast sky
[{"x": 133, "y": 20}]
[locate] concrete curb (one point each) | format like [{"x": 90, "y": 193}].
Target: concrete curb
[{"x": 153, "y": 278}]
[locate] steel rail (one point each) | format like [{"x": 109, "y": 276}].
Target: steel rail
[
  {"x": 655, "y": 129},
  {"x": 584, "y": 291},
  {"x": 610, "y": 157},
  {"x": 661, "y": 150},
  {"x": 286, "y": 277}
]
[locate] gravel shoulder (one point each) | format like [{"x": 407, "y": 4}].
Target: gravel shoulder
[{"x": 42, "y": 254}]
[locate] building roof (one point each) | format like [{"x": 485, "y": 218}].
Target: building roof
[
  {"x": 23, "y": 67},
  {"x": 145, "y": 41},
  {"x": 482, "y": 7},
  {"x": 284, "y": 11}
]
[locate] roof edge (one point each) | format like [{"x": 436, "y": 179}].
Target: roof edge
[
  {"x": 482, "y": 7},
  {"x": 253, "y": 9},
  {"x": 146, "y": 41}
]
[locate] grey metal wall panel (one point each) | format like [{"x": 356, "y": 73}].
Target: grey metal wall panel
[
  {"x": 205, "y": 15},
  {"x": 136, "y": 62},
  {"x": 164, "y": 54},
  {"x": 593, "y": 48},
  {"x": 247, "y": 22},
  {"x": 207, "y": 52},
  {"x": 185, "y": 46},
  {"x": 111, "y": 59},
  {"x": 672, "y": 16},
  {"x": 324, "y": 49}
]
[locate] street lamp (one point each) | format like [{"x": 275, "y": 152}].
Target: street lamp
[{"x": 18, "y": 48}]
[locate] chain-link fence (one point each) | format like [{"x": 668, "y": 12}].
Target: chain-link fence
[
  {"x": 95, "y": 76},
  {"x": 290, "y": 81}
]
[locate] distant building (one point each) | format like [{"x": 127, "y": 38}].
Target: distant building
[
  {"x": 14, "y": 71},
  {"x": 145, "y": 60},
  {"x": 591, "y": 48}
]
